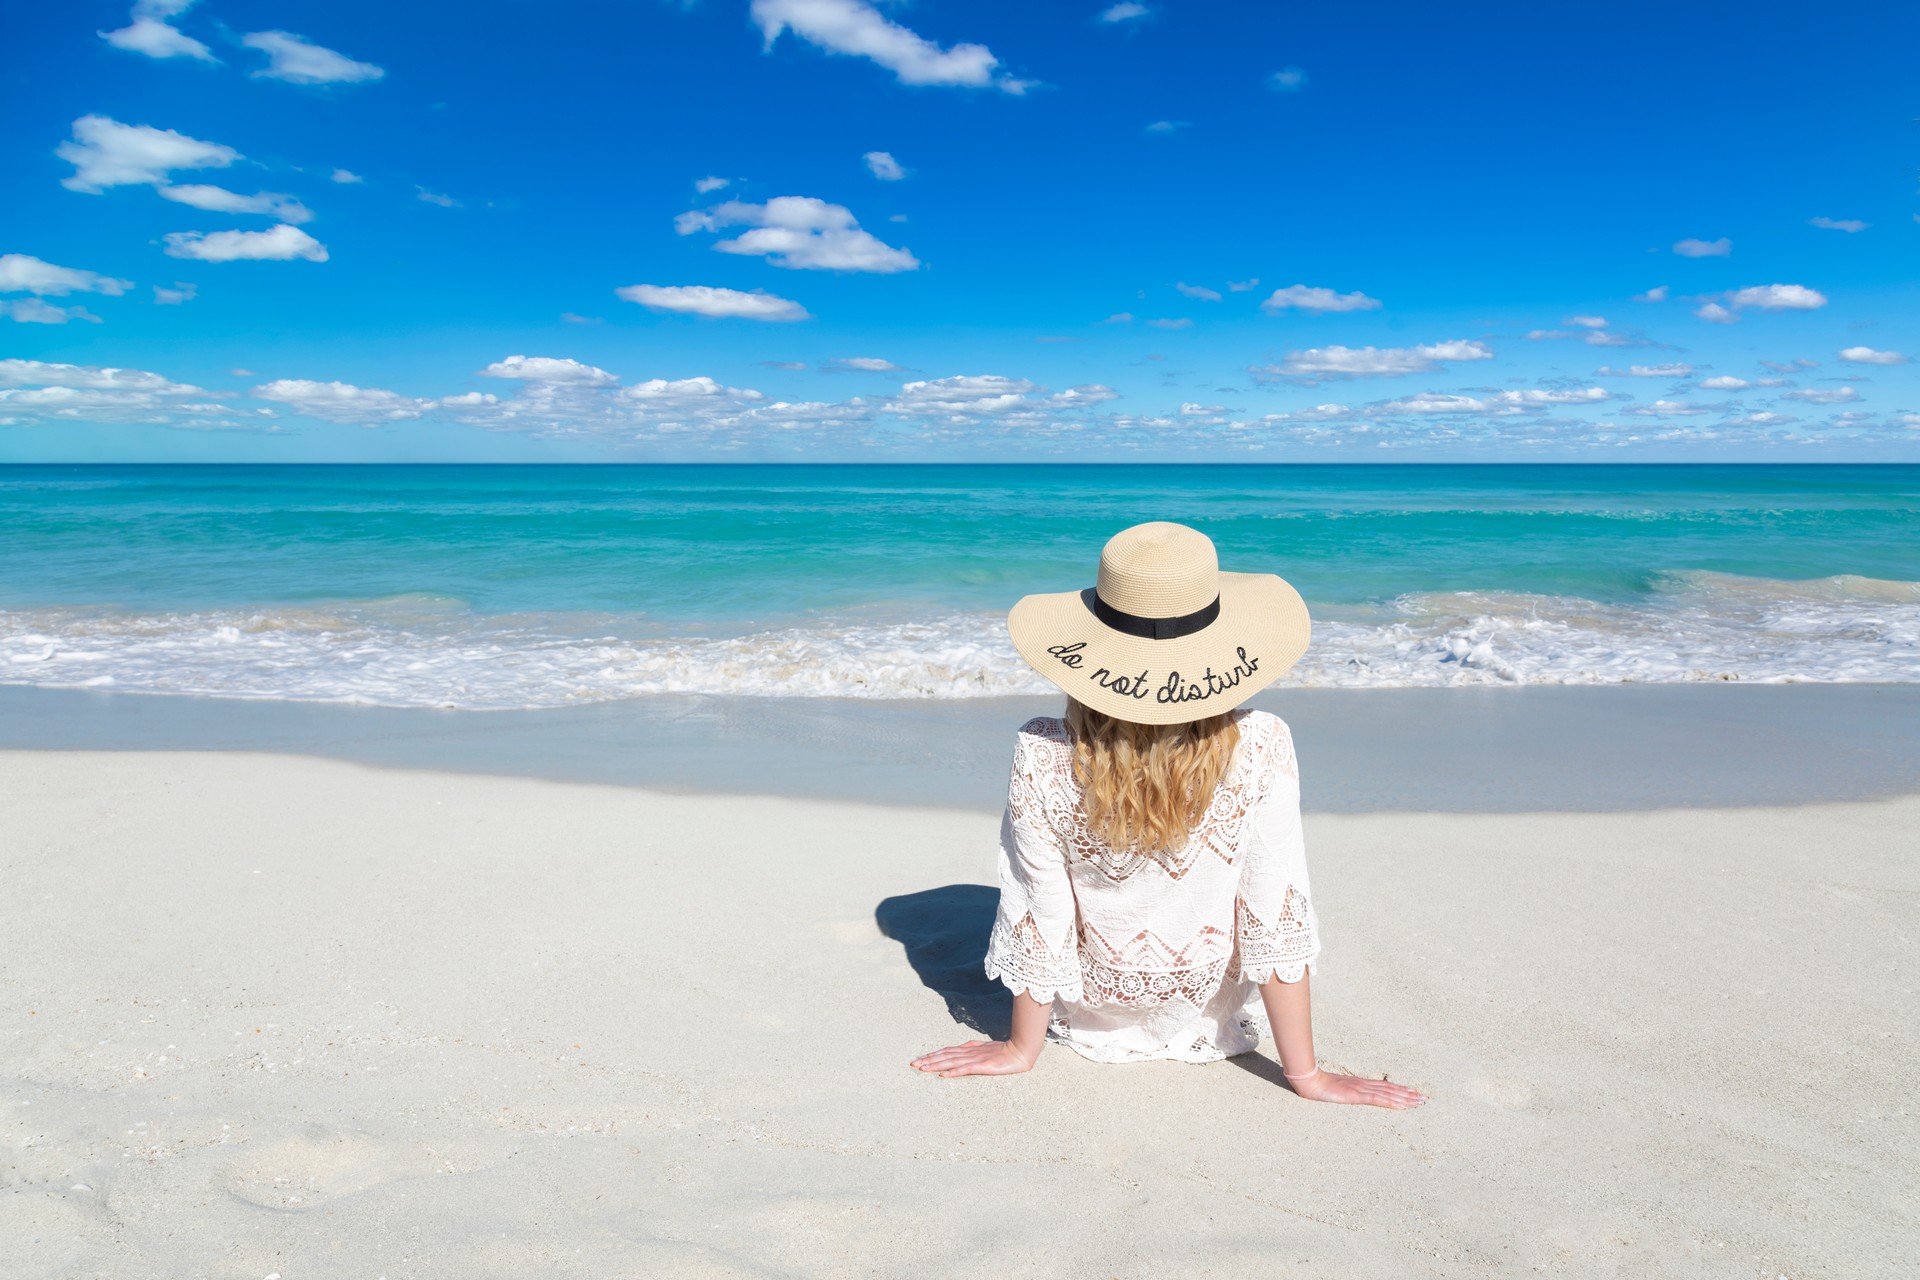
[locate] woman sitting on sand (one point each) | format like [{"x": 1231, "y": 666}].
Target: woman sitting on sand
[{"x": 1153, "y": 884}]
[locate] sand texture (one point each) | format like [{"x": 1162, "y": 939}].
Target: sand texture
[{"x": 263, "y": 1014}]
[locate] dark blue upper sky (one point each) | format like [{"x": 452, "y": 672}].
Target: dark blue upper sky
[{"x": 356, "y": 231}]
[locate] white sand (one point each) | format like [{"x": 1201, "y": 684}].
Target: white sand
[{"x": 274, "y": 1015}]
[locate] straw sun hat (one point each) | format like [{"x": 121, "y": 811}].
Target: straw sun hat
[{"x": 1163, "y": 637}]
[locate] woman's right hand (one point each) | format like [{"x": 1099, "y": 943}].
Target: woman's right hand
[{"x": 1325, "y": 1086}]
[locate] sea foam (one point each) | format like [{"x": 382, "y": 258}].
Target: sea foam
[{"x": 425, "y": 653}]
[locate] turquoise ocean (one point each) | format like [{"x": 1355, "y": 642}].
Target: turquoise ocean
[{"x": 535, "y": 586}]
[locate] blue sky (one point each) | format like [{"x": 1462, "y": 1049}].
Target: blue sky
[{"x": 829, "y": 229}]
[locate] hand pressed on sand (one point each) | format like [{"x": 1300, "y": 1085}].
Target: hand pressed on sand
[{"x": 1289, "y": 1010}]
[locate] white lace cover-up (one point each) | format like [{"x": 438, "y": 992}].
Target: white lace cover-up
[{"x": 1154, "y": 957}]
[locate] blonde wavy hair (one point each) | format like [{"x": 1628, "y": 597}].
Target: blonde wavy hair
[{"x": 1145, "y": 787}]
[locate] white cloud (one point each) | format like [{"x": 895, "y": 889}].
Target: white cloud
[
  {"x": 1126, "y": 11},
  {"x": 1119, "y": 317},
  {"x": 220, "y": 200},
  {"x": 24, "y": 273},
  {"x": 37, "y": 311},
  {"x": 1534, "y": 398},
  {"x": 1646, "y": 371},
  {"x": 705, "y": 300},
  {"x": 799, "y": 232},
  {"x": 38, "y": 390},
  {"x": 38, "y": 373},
  {"x": 1588, "y": 322},
  {"x": 981, "y": 391},
  {"x": 883, "y": 166},
  {"x": 1198, "y": 291},
  {"x": 1166, "y": 127},
  {"x": 341, "y": 402},
  {"x": 150, "y": 33},
  {"x": 435, "y": 197},
  {"x": 1825, "y": 395},
  {"x": 710, "y": 183},
  {"x": 1724, "y": 382},
  {"x": 276, "y": 244},
  {"x": 1778, "y": 297},
  {"x": 1241, "y": 286},
  {"x": 571, "y": 317},
  {"x": 1852, "y": 355},
  {"x": 1191, "y": 410},
  {"x": 1433, "y": 402},
  {"x": 1714, "y": 312},
  {"x": 1670, "y": 409},
  {"x": 181, "y": 293},
  {"x": 1656, "y": 294},
  {"x": 1313, "y": 299},
  {"x": 861, "y": 364},
  {"x": 662, "y": 391},
  {"x": 1691, "y": 248},
  {"x": 1848, "y": 225},
  {"x": 1287, "y": 80},
  {"x": 858, "y": 30},
  {"x": 105, "y": 153},
  {"x": 347, "y": 176},
  {"x": 556, "y": 369},
  {"x": 1181, "y": 323},
  {"x": 1507, "y": 402},
  {"x": 1366, "y": 362},
  {"x": 298, "y": 60}
]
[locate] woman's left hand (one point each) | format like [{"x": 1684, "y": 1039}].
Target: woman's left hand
[{"x": 975, "y": 1058}]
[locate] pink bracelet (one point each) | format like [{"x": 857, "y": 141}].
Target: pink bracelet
[{"x": 1303, "y": 1076}]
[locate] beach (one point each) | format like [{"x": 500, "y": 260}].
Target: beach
[
  {"x": 423, "y": 872},
  {"x": 273, "y": 1013}
]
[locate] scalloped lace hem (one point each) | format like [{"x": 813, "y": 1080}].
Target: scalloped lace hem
[
  {"x": 1285, "y": 970},
  {"x": 1022, "y": 984}
]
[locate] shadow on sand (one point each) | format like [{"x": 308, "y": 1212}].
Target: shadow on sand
[{"x": 944, "y": 932}]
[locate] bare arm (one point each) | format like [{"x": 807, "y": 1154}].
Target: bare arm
[
  {"x": 995, "y": 1057},
  {"x": 1290, "y": 1011}
]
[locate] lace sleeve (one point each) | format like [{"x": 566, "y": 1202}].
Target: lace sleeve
[
  {"x": 1275, "y": 933},
  {"x": 1033, "y": 947}
]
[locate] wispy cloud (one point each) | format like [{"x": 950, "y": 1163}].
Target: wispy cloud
[
  {"x": 1867, "y": 355},
  {"x": 1300, "y": 297},
  {"x": 1127, "y": 11},
  {"x": 883, "y": 166},
  {"x": 799, "y": 232},
  {"x": 297, "y": 60},
  {"x": 149, "y": 32},
  {"x": 1647, "y": 371},
  {"x": 271, "y": 204},
  {"x": 24, "y": 273},
  {"x": 1320, "y": 363},
  {"x": 1691, "y": 248},
  {"x": 283, "y": 243},
  {"x": 105, "y": 153},
  {"x": 341, "y": 402},
  {"x": 1198, "y": 291},
  {"x": 1287, "y": 80},
  {"x": 1760, "y": 297},
  {"x": 856, "y": 29},
  {"x": 1849, "y": 225},
  {"x": 706, "y": 300}
]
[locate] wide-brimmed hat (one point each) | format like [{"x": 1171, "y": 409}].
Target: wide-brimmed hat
[{"x": 1163, "y": 637}]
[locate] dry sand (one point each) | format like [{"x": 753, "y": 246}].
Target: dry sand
[{"x": 265, "y": 1014}]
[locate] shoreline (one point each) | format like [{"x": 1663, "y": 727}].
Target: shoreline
[{"x": 1469, "y": 750}]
